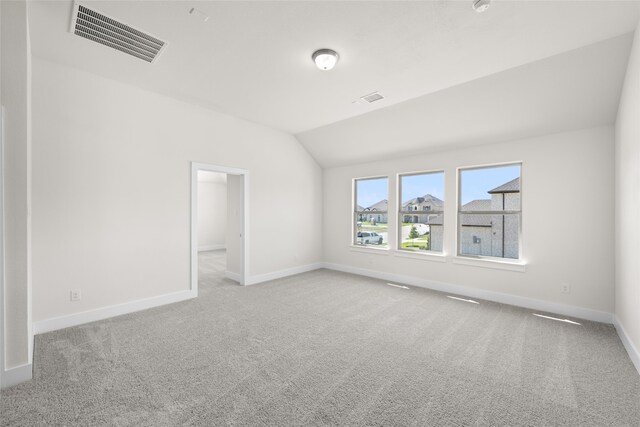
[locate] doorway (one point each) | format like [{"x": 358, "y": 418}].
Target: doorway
[
  {"x": 219, "y": 206},
  {"x": 213, "y": 230}
]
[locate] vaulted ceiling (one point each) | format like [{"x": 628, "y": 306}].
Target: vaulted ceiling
[
  {"x": 573, "y": 90},
  {"x": 253, "y": 60}
]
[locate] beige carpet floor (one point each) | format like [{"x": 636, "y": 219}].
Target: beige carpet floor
[{"x": 327, "y": 348}]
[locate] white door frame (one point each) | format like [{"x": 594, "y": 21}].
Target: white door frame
[
  {"x": 244, "y": 222},
  {"x": 2, "y": 311}
]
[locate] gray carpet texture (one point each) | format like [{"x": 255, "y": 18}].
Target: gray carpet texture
[{"x": 327, "y": 348}]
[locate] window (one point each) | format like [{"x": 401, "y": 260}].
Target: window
[
  {"x": 489, "y": 211},
  {"x": 370, "y": 212},
  {"x": 422, "y": 212}
]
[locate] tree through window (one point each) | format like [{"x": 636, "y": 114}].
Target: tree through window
[{"x": 421, "y": 211}]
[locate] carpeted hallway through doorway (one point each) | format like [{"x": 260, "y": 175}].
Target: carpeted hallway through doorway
[{"x": 327, "y": 348}]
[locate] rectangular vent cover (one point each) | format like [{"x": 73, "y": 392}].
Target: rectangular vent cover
[
  {"x": 100, "y": 28},
  {"x": 372, "y": 97}
]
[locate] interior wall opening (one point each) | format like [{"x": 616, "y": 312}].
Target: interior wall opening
[
  {"x": 218, "y": 229},
  {"x": 212, "y": 228}
]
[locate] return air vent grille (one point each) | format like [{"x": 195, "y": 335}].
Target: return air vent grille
[
  {"x": 372, "y": 97},
  {"x": 100, "y": 28}
]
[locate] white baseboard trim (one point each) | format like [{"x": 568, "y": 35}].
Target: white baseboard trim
[
  {"x": 260, "y": 278},
  {"x": 17, "y": 375},
  {"x": 232, "y": 276},
  {"x": 75, "y": 319},
  {"x": 530, "y": 303},
  {"x": 634, "y": 354},
  {"x": 211, "y": 248}
]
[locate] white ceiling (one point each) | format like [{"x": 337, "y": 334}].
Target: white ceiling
[
  {"x": 252, "y": 59},
  {"x": 573, "y": 90}
]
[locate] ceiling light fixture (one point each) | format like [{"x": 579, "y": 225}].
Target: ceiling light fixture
[
  {"x": 325, "y": 59},
  {"x": 481, "y": 5}
]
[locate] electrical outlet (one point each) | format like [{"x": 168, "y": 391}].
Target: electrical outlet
[
  {"x": 75, "y": 295},
  {"x": 565, "y": 288}
]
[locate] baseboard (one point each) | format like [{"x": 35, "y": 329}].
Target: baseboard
[
  {"x": 17, "y": 375},
  {"x": 260, "y": 278},
  {"x": 634, "y": 354},
  {"x": 211, "y": 248},
  {"x": 75, "y": 319},
  {"x": 232, "y": 276},
  {"x": 530, "y": 303}
]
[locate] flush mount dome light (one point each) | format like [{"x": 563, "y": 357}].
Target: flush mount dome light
[
  {"x": 325, "y": 59},
  {"x": 481, "y": 5}
]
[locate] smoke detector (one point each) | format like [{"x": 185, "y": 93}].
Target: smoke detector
[
  {"x": 481, "y": 5},
  {"x": 199, "y": 14}
]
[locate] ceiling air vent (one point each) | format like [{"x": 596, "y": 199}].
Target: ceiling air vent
[
  {"x": 100, "y": 28},
  {"x": 372, "y": 97}
]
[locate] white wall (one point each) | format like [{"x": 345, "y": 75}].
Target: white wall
[
  {"x": 627, "y": 217},
  {"x": 567, "y": 202},
  {"x": 111, "y": 190},
  {"x": 212, "y": 212},
  {"x": 15, "y": 90}
]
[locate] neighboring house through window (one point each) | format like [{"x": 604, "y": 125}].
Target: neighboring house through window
[
  {"x": 371, "y": 212},
  {"x": 422, "y": 211},
  {"x": 489, "y": 212}
]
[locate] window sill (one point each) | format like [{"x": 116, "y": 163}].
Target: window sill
[
  {"x": 426, "y": 256},
  {"x": 491, "y": 263},
  {"x": 369, "y": 249}
]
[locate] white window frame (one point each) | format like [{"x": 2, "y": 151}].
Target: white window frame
[
  {"x": 355, "y": 213},
  {"x": 401, "y": 213},
  {"x": 472, "y": 259}
]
